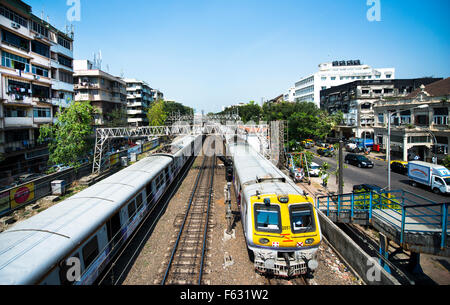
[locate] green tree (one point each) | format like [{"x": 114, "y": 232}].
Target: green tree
[
  {"x": 116, "y": 118},
  {"x": 68, "y": 139},
  {"x": 446, "y": 161},
  {"x": 156, "y": 114}
]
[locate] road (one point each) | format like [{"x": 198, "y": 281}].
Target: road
[{"x": 378, "y": 175}]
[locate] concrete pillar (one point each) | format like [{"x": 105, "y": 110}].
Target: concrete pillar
[
  {"x": 405, "y": 148},
  {"x": 414, "y": 263}
]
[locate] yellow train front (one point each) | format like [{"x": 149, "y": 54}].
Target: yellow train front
[{"x": 280, "y": 223}]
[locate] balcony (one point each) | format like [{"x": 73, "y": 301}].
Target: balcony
[
  {"x": 61, "y": 50},
  {"x": 59, "y": 85},
  {"x": 8, "y": 24},
  {"x": 18, "y": 122},
  {"x": 60, "y": 102},
  {"x": 42, "y": 120},
  {"x": 134, "y": 112}
]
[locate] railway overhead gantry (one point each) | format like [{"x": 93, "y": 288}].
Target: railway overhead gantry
[{"x": 105, "y": 135}]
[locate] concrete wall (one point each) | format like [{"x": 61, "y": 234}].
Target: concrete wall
[{"x": 371, "y": 274}]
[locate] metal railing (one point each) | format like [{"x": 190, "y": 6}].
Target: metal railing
[{"x": 406, "y": 211}]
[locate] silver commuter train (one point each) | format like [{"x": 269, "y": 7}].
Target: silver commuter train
[
  {"x": 280, "y": 222},
  {"x": 73, "y": 241}
]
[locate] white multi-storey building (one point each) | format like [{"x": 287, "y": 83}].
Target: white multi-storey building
[
  {"x": 35, "y": 76},
  {"x": 139, "y": 99},
  {"x": 334, "y": 74}
]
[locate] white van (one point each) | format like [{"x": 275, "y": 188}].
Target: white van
[{"x": 437, "y": 177}]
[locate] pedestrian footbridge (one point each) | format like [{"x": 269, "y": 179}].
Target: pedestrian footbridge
[{"x": 415, "y": 223}]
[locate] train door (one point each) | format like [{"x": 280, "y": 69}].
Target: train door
[
  {"x": 148, "y": 195},
  {"x": 114, "y": 230}
]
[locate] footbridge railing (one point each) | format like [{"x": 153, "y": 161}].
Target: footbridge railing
[{"x": 406, "y": 212}]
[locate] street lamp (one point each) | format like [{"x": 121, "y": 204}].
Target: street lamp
[{"x": 388, "y": 150}]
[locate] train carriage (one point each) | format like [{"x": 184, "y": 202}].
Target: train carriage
[
  {"x": 73, "y": 241},
  {"x": 280, "y": 223}
]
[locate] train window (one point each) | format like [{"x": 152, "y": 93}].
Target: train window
[
  {"x": 139, "y": 201},
  {"x": 131, "y": 209},
  {"x": 301, "y": 219},
  {"x": 267, "y": 218},
  {"x": 90, "y": 251},
  {"x": 64, "y": 271}
]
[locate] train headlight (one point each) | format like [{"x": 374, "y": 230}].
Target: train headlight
[
  {"x": 263, "y": 240},
  {"x": 313, "y": 264},
  {"x": 309, "y": 241}
]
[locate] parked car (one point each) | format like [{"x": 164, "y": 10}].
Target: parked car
[
  {"x": 367, "y": 188},
  {"x": 314, "y": 169},
  {"x": 358, "y": 160},
  {"x": 26, "y": 178},
  {"x": 400, "y": 167},
  {"x": 57, "y": 168}
]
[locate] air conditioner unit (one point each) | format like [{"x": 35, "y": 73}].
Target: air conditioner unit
[{"x": 15, "y": 25}]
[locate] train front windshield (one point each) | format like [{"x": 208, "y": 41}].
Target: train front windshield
[
  {"x": 302, "y": 219},
  {"x": 267, "y": 218}
]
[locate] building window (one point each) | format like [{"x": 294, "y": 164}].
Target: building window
[
  {"x": 388, "y": 75},
  {"x": 16, "y": 112},
  {"x": 405, "y": 117},
  {"x": 15, "y": 62},
  {"x": 42, "y": 112},
  {"x": 15, "y": 41},
  {"x": 333, "y": 78},
  {"x": 421, "y": 119},
  {"x": 41, "y": 91},
  {"x": 18, "y": 88},
  {"x": 64, "y": 42},
  {"x": 13, "y": 16},
  {"x": 40, "y": 48},
  {"x": 39, "y": 28},
  {"x": 440, "y": 116},
  {"x": 39, "y": 71},
  {"x": 65, "y": 61},
  {"x": 419, "y": 139},
  {"x": 381, "y": 118},
  {"x": 324, "y": 78},
  {"x": 65, "y": 77}
]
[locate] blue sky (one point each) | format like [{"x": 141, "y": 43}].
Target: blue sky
[{"x": 211, "y": 53}]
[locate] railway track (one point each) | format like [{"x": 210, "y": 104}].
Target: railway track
[
  {"x": 116, "y": 271},
  {"x": 274, "y": 281},
  {"x": 186, "y": 261}
]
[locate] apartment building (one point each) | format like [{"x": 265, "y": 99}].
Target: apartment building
[
  {"x": 157, "y": 95},
  {"x": 419, "y": 121},
  {"x": 107, "y": 93},
  {"x": 36, "y": 77},
  {"x": 139, "y": 99},
  {"x": 356, "y": 101},
  {"x": 334, "y": 74}
]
